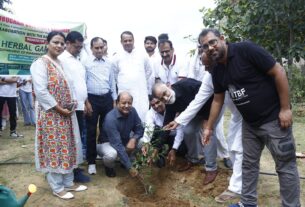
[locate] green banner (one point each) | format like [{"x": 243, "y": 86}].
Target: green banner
[{"x": 21, "y": 43}]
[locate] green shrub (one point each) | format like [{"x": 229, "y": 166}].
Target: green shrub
[{"x": 297, "y": 85}]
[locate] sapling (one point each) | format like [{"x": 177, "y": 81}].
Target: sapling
[{"x": 143, "y": 162}]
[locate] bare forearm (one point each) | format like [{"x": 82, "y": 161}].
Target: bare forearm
[{"x": 282, "y": 86}]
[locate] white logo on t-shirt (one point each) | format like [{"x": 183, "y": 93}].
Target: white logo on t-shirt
[{"x": 238, "y": 94}]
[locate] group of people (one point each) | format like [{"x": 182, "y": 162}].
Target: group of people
[
  {"x": 12, "y": 87},
  {"x": 110, "y": 98}
]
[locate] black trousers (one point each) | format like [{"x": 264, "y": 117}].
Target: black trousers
[
  {"x": 11, "y": 102},
  {"x": 101, "y": 105},
  {"x": 80, "y": 120}
]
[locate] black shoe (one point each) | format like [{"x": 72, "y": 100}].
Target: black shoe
[
  {"x": 110, "y": 172},
  {"x": 228, "y": 163},
  {"x": 122, "y": 166},
  {"x": 79, "y": 177},
  {"x": 160, "y": 162}
]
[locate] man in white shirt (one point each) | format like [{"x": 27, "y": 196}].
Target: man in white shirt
[
  {"x": 150, "y": 44},
  {"x": 153, "y": 130},
  {"x": 75, "y": 72},
  {"x": 133, "y": 71},
  {"x": 8, "y": 93},
  {"x": 196, "y": 70},
  {"x": 170, "y": 69}
]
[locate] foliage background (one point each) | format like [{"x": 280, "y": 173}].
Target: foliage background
[{"x": 278, "y": 26}]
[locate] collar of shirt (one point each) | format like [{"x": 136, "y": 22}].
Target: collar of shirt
[
  {"x": 67, "y": 54},
  {"x": 118, "y": 114},
  {"x": 173, "y": 61},
  {"x": 157, "y": 113},
  {"x": 231, "y": 50},
  {"x": 98, "y": 60}
]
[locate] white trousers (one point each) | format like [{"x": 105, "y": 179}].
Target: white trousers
[
  {"x": 234, "y": 140},
  {"x": 108, "y": 153},
  {"x": 58, "y": 182}
]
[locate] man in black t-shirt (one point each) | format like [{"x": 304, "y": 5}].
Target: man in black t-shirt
[{"x": 258, "y": 87}]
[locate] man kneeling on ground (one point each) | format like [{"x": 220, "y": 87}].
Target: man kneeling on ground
[
  {"x": 119, "y": 124},
  {"x": 153, "y": 132}
]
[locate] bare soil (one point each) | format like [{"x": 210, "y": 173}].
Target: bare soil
[
  {"x": 172, "y": 188},
  {"x": 168, "y": 185}
]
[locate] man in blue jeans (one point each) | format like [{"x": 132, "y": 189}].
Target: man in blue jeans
[
  {"x": 258, "y": 86},
  {"x": 26, "y": 97}
]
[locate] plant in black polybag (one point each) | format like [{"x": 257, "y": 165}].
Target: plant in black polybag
[{"x": 144, "y": 162}]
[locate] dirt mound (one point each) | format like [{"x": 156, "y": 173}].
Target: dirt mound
[{"x": 172, "y": 188}]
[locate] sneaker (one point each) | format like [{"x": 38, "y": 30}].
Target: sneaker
[
  {"x": 160, "y": 162},
  {"x": 99, "y": 157},
  {"x": 240, "y": 204},
  {"x": 79, "y": 177},
  {"x": 228, "y": 163},
  {"x": 122, "y": 166},
  {"x": 110, "y": 172},
  {"x": 14, "y": 134},
  {"x": 92, "y": 169}
]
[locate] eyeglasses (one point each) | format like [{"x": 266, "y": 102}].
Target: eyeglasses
[{"x": 211, "y": 43}]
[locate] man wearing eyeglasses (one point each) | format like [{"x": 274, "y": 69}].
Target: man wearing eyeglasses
[{"x": 258, "y": 86}]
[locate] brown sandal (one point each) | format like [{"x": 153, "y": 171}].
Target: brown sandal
[{"x": 226, "y": 196}]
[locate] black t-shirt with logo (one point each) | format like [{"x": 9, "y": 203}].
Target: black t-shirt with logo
[{"x": 245, "y": 76}]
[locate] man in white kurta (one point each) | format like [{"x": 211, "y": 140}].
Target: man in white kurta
[
  {"x": 196, "y": 70},
  {"x": 132, "y": 70}
]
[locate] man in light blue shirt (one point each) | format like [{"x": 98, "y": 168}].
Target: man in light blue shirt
[{"x": 101, "y": 96}]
